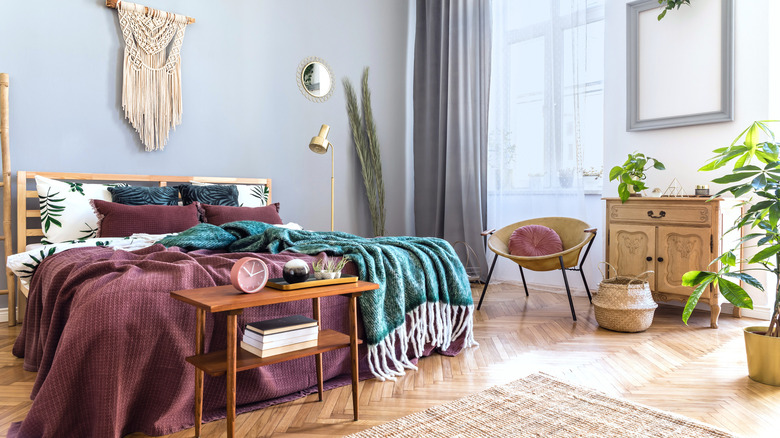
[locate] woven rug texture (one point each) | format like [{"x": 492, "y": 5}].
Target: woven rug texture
[{"x": 542, "y": 406}]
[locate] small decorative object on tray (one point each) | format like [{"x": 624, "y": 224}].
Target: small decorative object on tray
[
  {"x": 703, "y": 190},
  {"x": 655, "y": 193},
  {"x": 249, "y": 274},
  {"x": 675, "y": 190},
  {"x": 280, "y": 335},
  {"x": 295, "y": 271},
  {"x": 282, "y": 284},
  {"x": 327, "y": 268}
]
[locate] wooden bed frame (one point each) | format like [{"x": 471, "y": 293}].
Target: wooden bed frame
[{"x": 28, "y": 213}]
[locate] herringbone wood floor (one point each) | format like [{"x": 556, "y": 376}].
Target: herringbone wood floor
[{"x": 693, "y": 371}]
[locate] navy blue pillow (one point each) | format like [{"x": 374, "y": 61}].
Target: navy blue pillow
[
  {"x": 215, "y": 194},
  {"x": 145, "y": 195}
]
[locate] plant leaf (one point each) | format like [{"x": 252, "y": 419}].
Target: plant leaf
[
  {"x": 693, "y": 300},
  {"x": 734, "y": 177},
  {"x": 735, "y": 294},
  {"x": 765, "y": 253},
  {"x": 747, "y": 278}
]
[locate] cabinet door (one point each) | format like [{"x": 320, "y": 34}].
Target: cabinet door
[
  {"x": 681, "y": 249},
  {"x": 630, "y": 246}
]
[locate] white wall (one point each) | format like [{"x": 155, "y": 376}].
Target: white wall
[{"x": 683, "y": 150}]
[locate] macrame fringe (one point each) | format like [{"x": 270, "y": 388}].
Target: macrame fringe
[
  {"x": 151, "y": 85},
  {"x": 436, "y": 323}
]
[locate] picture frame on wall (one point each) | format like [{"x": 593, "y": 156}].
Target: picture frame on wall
[{"x": 680, "y": 70}]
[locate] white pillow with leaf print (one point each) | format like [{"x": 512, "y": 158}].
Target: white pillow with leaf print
[
  {"x": 66, "y": 213},
  {"x": 248, "y": 195}
]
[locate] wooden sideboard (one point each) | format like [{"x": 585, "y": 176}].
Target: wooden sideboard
[{"x": 669, "y": 236}]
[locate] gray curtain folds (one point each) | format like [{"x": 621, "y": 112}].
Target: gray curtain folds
[{"x": 451, "y": 91}]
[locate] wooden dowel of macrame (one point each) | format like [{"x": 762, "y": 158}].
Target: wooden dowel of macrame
[
  {"x": 6, "y": 171},
  {"x": 113, "y": 5}
]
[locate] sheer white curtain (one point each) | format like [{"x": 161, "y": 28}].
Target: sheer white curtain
[{"x": 546, "y": 113}]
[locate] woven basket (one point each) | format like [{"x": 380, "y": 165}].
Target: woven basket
[{"x": 624, "y": 304}]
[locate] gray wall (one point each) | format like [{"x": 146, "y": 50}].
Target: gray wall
[{"x": 243, "y": 113}]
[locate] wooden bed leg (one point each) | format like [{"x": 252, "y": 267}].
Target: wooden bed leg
[
  {"x": 318, "y": 357},
  {"x": 200, "y": 325},
  {"x": 353, "y": 352}
]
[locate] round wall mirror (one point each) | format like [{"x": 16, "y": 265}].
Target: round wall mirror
[{"x": 315, "y": 79}]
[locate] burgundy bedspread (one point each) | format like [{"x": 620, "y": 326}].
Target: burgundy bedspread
[{"x": 108, "y": 343}]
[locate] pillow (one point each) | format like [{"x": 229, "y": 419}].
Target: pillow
[
  {"x": 145, "y": 195},
  {"x": 255, "y": 195},
  {"x": 218, "y": 215},
  {"x": 65, "y": 210},
  {"x": 534, "y": 241},
  {"x": 212, "y": 194},
  {"x": 119, "y": 220}
]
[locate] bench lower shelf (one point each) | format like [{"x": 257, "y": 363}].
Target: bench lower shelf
[{"x": 215, "y": 362}]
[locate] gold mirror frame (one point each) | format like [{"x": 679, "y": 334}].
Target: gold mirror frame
[{"x": 299, "y": 79}]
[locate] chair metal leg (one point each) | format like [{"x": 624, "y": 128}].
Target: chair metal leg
[
  {"x": 487, "y": 282},
  {"x": 522, "y": 275},
  {"x": 585, "y": 282},
  {"x": 568, "y": 292}
]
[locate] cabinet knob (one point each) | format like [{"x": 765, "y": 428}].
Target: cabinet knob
[
  {"x": 660, "y": 259},
  {"x": 649, "y": 259},
  {"x": 652, "y": 215}
]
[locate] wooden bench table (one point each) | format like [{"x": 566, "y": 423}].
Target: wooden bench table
[{"x": 234, "y": 359}]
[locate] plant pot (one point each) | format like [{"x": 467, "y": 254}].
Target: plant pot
[
  {"x": 763, "y": 356},
  {"x": 324, "y": 275}
]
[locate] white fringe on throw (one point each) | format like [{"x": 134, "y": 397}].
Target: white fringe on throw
[
  {"x": 436, "y": 323},
  {"x": 151, "y": 85}
]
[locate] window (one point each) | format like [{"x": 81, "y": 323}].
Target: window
[{"x": 547, "y": 88}]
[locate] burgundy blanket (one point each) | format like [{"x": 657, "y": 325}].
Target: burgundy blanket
[{"x": 108, "y": 343}]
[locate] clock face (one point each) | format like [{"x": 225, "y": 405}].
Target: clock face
[{"x": 249, "y": 274}]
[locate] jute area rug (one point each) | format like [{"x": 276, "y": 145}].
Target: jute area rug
[{"x": 542, "y": 406}]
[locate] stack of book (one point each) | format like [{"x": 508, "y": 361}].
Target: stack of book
[{"x": 281, "y": 335}]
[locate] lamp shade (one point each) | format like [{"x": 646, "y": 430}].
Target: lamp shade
[{"x": 320, "y": 143}]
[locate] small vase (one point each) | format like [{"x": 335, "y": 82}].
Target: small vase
[{"x": 325, "y": 275}]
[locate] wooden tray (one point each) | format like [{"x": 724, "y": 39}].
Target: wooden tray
[{"x": 281, "y": 284}]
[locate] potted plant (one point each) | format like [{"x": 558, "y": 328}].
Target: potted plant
[
  {"x": 632, "y": 174},
  {"x": 328, "y": 268},
  {"x": 755, "y": 176},
  {"x": 668, "y": 5}
]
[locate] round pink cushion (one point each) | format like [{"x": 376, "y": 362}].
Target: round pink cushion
[{"x": 534, "y": 241}]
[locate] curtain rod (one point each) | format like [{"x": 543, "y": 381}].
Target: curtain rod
[{"x": 114, "y": 3}]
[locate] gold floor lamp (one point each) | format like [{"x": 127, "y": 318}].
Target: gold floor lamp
[{"x": 320, "y": 145}]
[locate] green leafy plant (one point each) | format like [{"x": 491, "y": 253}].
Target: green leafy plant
[
  {"x": 760, "y": 213},
  {"x": 632, "y": 174},
  {"x": 361, "y": 122},
  {"x": 668, "y": 5},
  {"x": 327, "y": 264}
]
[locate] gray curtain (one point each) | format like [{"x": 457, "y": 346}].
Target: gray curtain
[{"x": 451, "y": 90}]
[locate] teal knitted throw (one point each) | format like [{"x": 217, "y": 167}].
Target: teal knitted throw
[{"x": 421, "y": 279}]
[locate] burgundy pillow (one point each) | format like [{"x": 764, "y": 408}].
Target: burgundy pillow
[
  {"x": 120, "y": 220},
  {"x": 220, "y": 214},
  {"x": 534, "y": 241}
]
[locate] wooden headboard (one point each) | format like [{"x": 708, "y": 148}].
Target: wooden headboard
[{"x": 28, "y": 213}]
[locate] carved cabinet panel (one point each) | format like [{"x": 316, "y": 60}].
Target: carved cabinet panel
[
  {"x": 632, "y": 249},
  {"x": 669, "y": 236},
  {"x": 680, "y": 249}
]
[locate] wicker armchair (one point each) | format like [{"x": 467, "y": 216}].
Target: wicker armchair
[{"x": 575, "y": 235}]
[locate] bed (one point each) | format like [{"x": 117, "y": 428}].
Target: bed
[{"x": 108, "y": 342}]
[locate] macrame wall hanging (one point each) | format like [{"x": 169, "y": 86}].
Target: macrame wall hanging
[{"x": 151, "y": 80}]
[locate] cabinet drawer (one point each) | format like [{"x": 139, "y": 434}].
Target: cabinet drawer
[{"x": 660, "y": 213}]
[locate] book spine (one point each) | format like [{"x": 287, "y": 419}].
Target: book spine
[
  {"x": 263, "y": 343},
  {"x": 279, "y": 350},
  {"x": 308, "y": 331},
  {"x": 282, "y": 329}
]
